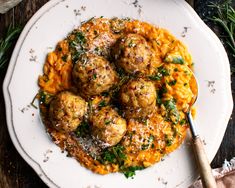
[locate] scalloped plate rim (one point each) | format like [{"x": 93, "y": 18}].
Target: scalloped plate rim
[{"x": 46, "y": 7}]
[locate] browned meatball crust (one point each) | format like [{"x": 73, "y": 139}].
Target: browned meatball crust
[
  {"x": 135, "y": 55},
  {"x": 108, "y": 126},
  {"x": 94, "y": 75},
  {"x": 138, "y": 98},
  {"x": 66, "y": 111}
]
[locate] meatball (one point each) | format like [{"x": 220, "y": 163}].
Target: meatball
[
  {"x": 138, "y": 98},
  {"x": 93, "y": 74},
  {"x": 135, "y": 55},
  {"x": 66, "y": 111},
  {"x": 108, "y": 126}
]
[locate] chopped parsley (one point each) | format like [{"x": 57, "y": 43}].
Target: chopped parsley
[
  {"x": 174, "y": 59},
  {"x": 99, "y": 51},
  {"x": 183, "y": 121},
  {"x": 130, "y": 171},
  {"x": 172, "y": 83},
  {"x": 155, "y": 77},
  {"x": 64, "y": 58},
  {"x": 160, "y": 73},
  {"x": 163, "y": 90},
  {"x": 178, "y": 60},
  {"x": 160, "y": 94},
  {"x": 146, "y": 146},
  {"x": 114, "y": 154},
  {"x": 169, "y": 141},
  {"x": 109, "y": 156},
  {"x": 105, "y": 94},
  {"x": 45, "y": 98},
  {"x": 107, "y": 122},
  {"x": 77, "y": 45},
  {"x": 80, "y": 37},
  {"x": 102, "y": 103},
  {"x": 172, "y": 111},
  {"x": 83, "y": 129},
  {"x": 94, "y": 76}
]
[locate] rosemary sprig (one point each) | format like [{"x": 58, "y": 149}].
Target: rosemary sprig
[
  {"x": 226, "y": 18},
  {"x": 6, "y": 43}
]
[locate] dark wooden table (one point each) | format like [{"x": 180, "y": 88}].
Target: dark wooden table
[{"x": 14, "y": 171}]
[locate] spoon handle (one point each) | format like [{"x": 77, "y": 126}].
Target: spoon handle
[{"x": 208, "y": 179}]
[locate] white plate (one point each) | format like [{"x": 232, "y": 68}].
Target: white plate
[{"x": 51, "y": 24}]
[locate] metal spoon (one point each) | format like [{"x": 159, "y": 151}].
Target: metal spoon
[{"x": 208, "y": 180}]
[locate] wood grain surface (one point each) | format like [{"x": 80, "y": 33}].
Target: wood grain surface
[{"x": 14, "y": 171}]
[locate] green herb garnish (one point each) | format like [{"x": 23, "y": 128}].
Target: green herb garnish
[
  {"x": 160, "y": 94},
  {"x": 226, "y": 18},
  {"x": 130, "y": 171},
  {"x": 176, "y": 69},
  {"x": 105, "y": 94},
  {"x": 178, "y": 60},
  {"x": 172, "y": 111},
  {"x": 107, "y": 122},
  {"x": 83, "y": 129},
  {"x": 64, "y": 58},
  {"x": 114, "y": 154},
  {"x": 77, "y": 45},
  {"x": 174, "y": 59},
  {"x": 168, "y": 140},
  {"x": 183, "y": 121},
  {"x": 155, "y": 77},
  {"x": 6, "y": 43},
  {"x": 45, "y": 98},
  {"x": 160, "y": 73},
  {"x": 102, "y": 103},
  {"x": 172, "y": 83},
  {"x": 94, "y": 76},
  {"x": 146, "y": 146},
  {"x": 80, "y": 37}
]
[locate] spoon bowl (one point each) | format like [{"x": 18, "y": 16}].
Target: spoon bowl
[{"x": 207, "y": 177}]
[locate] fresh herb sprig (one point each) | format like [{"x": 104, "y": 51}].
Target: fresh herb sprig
[
  {"x": 6, "y": 43},
  {"x": 114, "y": 154},
  {"x": 130, "y": 171},
  {"x": 226, "y": 18}
]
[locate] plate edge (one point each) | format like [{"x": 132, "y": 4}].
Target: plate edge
[{"x": 10, "y": 71}]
